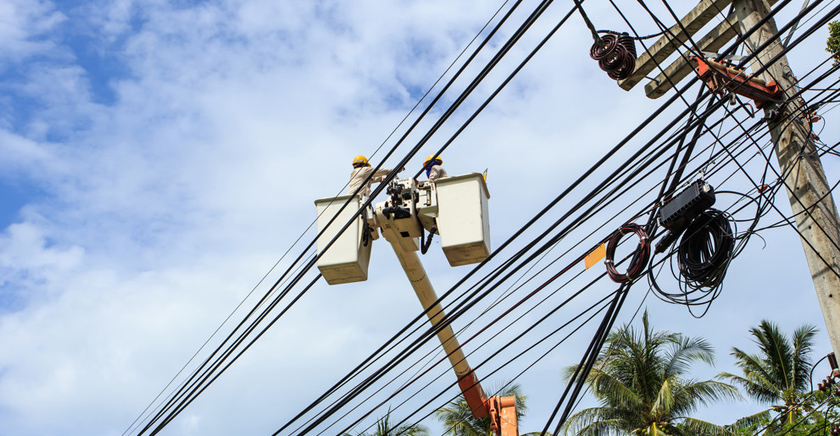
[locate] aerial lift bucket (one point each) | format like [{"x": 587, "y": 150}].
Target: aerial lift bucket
[
  {"x": 347, "y": 260},
  {"x": 463, "y": 219}
]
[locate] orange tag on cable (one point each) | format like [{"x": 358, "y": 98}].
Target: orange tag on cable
[{"x": 595, "y": 256}]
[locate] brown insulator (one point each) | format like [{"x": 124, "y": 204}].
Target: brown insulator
[
  {"x": 628, "y": 58},
  {"x": 615, "y": 61},
  {"x": 616, "y": 54},
  {"x": 627, "y": 41},
  {"x": 603, "y": 48},
  {"x": 628, "y": 64}
]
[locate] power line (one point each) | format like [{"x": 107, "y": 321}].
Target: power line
[{"x": 484, "y": 287}]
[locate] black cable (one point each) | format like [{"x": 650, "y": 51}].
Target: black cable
[
  {"x": 518, "y": 338},
  {"x": 393, "y": 174},
  {"x": 706, "y": 250},
  {"x": 517, "y": 69},
  {"x": 598, "y": 343},
  {"x": 638, "y": 38},
  {"x": 795, "y": 43},
  {"x": 811, "y": 376}
]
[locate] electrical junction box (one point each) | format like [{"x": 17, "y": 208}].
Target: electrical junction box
[
  {"x": 463, "y": 219},
  {"x": 677, "y": 213},
  {"x": 347, "y": 260}
]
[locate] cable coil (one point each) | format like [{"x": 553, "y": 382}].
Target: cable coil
[
  {"x": 705, "y": 250},
  {"x": 640, "y": 256}
]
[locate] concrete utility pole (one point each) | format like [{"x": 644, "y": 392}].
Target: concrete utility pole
[
  {"x": 807, "y": 187},
  {"x": 810, "y": 197}
]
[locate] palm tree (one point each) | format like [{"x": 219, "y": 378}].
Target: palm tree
[
  {"x": 780, "y": 371},
  {"x": 384, "y": 428},
  {"x": 640, "y": 382},
  {"x": 459, "y": 420}
]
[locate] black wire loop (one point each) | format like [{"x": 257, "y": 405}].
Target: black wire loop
[{"x": 706, "y": 249}]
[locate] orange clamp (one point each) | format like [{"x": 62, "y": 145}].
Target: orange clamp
[{"x": 721, "y": 78}]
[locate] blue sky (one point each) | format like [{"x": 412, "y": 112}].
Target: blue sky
[{"x": 160, "y": 157}]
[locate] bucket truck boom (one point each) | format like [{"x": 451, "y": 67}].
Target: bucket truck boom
[{"x": 456, "y": 209}]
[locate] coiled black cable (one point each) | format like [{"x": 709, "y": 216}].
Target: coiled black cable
[{"x": 706, "y": 249}]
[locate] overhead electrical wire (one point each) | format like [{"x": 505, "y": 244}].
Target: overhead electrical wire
[
  {"x": 626, "y": 185},
  {"x": 427, "y": 110},
  {"x": 497, "y": 91},
  {"x": 558, "y": 423},
  {"x": 531, "y": 258},
  {"x": 517, "y": 338},
  {"x": 803, "y": 12},
  {"x": 313, "y": 222},
  {"x": 707, "y": 296},
  {"x": 782, "y": 178}
]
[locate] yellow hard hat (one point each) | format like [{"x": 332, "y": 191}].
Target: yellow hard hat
[
  {"x": 436, "y": 159},
  {"x": 360, "y": 160}
]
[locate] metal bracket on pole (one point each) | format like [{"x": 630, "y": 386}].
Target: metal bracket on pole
[{"x": 721, "y": 78}]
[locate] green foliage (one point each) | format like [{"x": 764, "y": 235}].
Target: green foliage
[
  {"x": 833, "y": 43},
  {"x": 385, "y": 428},
  {"x": 779, "y": 375},
  {"x": 641, "y": 381},
  {"x": 780, "y": 371},
  {"x": 814, "y": 416}
]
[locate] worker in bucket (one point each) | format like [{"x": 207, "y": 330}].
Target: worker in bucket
[
  {"x": 361, "y": 171},
  {"x": 433, "y": 168}
]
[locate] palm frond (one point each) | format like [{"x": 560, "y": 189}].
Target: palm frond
[{"x": 698, "y": 427}]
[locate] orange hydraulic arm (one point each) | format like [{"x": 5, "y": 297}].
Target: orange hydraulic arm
[{"x": 500, "y": 410}]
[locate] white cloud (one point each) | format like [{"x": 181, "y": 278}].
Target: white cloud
[
  {"x": 162, "y": 208},
  {"x": 23, "y": 28}
]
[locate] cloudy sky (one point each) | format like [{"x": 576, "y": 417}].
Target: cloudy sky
[{"x": 160, "y": 157}]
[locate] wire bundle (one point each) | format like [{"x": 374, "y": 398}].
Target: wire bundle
[
  {"x": 640, "y": 256},
  {"x": 352, "y": 397},
  {"x": 705, "y": 250}
]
